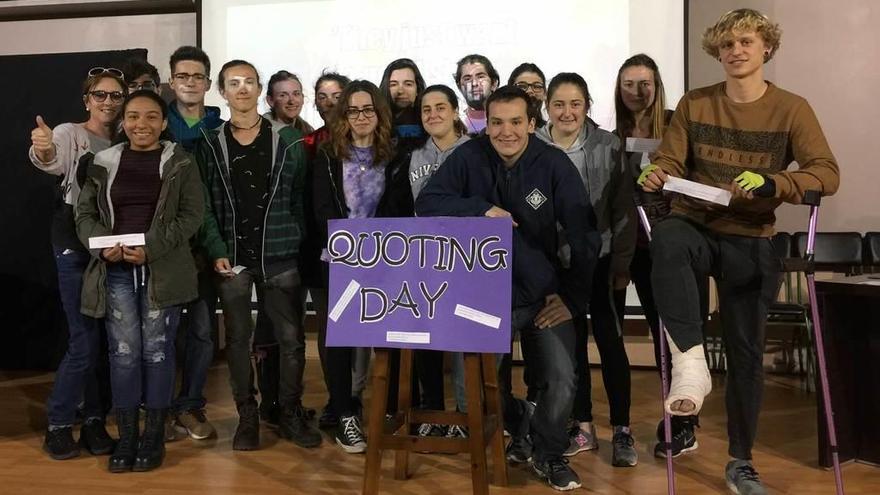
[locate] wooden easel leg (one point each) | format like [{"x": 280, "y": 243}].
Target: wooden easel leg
[
  {"x": 401, "y": 457},
  {"x": 474, "y": 389},
  {"x": 493, "y": 408},
  {"x": 378, "y": 403}
]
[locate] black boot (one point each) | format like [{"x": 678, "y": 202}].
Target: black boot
[
  {"x": 123, "y": 456},
  {"x": 93, "y": 437},
  {"x": 247, "y": 435},
  {"x": 59, "y": 443},
  {"x": 151, "y": 451},
  {"x": 294, "y": 427}
]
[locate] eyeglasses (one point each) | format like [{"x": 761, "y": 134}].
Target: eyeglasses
[
  {"x": 537, "y": 87},
  {"x": 100, "y": 96},
  {"x": 183, "y": 77},
  {"x": 97, "y": 71},
  {"x": 147, "y": 85},
  {"x": 354, "y": 113}
]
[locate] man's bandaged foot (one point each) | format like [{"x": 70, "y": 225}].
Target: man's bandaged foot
[{"x": 691, "y": 381}]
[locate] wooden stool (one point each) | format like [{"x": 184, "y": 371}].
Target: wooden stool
[{"x": 483, "y": 419}]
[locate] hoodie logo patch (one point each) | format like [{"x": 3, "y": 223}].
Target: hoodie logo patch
[{"x": 536, "y": 198}]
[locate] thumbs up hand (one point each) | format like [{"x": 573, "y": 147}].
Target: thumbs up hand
[{"x": 41, "y": 138}]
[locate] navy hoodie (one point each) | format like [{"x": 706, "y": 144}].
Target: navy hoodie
[{"x": 542, "y": 189}]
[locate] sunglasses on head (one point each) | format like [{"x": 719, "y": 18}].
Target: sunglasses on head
[
  {"x": 96, "y": 71},
  {"x": 100, "y": 96}
]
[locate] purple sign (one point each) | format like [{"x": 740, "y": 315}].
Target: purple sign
[{"x": 437, "y": 283}]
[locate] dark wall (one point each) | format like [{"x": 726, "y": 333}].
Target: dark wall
[{"x": 32, "y": 324}]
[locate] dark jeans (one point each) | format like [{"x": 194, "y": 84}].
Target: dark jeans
[
  {"x": 75, "y": 378},
  {"x": 747, "y": 273},
  {"x": 606, "y": 317},
  {"x": 640, "y": 274},
  {"x": 198, "y": 327},
  {"x": 549, "y": 355},
  {"x": 283, "y": 306},
  {"x": 141, "y": 340}
]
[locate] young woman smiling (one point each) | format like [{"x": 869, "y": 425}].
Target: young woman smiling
[{"x": 144, "y": 185}]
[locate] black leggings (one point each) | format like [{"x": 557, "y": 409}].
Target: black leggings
[{"x": 606, "y": 315}]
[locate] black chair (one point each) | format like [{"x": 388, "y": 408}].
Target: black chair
[
  {"x": 872, "y": 251},
  {"x": 788, "y": 319},
  {"x": 839, "y": 252}
]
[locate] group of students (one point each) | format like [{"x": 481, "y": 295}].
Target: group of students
[{"x": 229, "y": 207}]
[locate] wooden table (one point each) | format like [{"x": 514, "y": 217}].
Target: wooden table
[{"x": 849, "y": 308}]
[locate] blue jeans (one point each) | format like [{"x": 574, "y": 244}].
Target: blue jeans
[
  {"x": 75, "y": 379},
  {"x": 198, "y": 345},
  {"x": 458, "y": 378},
  {"x": 141, "y": 340},
  {"x": 549, "y": 355}
]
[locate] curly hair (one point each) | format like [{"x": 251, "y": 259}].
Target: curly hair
[
  {"x": 742, "y": 20},
  {"x": 340, "y": 129}
]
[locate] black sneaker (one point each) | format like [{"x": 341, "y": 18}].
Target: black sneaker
[
  {"x": 624, "y": 454},
  {"x": 684, "y": 438},
  {"x": 742, "y": 478},
  {"x": 431, "y": 430},
  {"x": 93, "y": 437},
  {"x": 247, "y": 434},
  {"x": 328, "y": 418},
  {"x": 270, "y": 413},
  {"x": 457, "y": 431},
  {"x": 59, "y": 444},
  {"x": 558, "y": 474},
  {"x": 519, "y": 450},
  {"x": 350, "y": 436},
  {"x": 293, "y": 427}
]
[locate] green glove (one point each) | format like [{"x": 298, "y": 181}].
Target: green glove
[
  {"x": 759, "y": 184},
  {"x": 645, "y": 173}
]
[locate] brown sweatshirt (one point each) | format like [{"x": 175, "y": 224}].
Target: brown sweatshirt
[{"x": 712, "y": 139}]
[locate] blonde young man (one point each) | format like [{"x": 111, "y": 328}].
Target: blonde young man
[{"x": 741, "y": 134}]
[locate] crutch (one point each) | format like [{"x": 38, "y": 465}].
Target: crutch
[
  {"x": 664, "y": 378},
  {"x": 813, "y": 198}
]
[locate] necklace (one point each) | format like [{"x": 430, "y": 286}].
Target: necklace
[
  {"x": 259, "y": 119},
  {"x": 363, "y": 157}
]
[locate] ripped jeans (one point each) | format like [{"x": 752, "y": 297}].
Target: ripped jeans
[{"x": 141, "y": 340}]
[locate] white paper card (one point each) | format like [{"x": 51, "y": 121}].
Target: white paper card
[
  {"x": 697, "y": 190},
  {"x": 238, "y": 269},
  {"x": 477, "y": 316},
  {"x": 408, "y": 337},
  {"x": 344, "y": 299},
  {"x": 641, "y": 145},
  {"x": 108, "y": 241}
]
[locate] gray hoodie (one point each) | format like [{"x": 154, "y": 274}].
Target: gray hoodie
[
  {"x": 597, "y": 157},
  {"x": 426, "y": 160}
]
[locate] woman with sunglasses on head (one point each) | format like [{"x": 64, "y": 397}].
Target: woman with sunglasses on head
[
  {"x": 356, "y": 175},
  {"x": 596, "y": 155},
  {"x": 58, "y": 152},
  {"x": 145, "y": 185}
]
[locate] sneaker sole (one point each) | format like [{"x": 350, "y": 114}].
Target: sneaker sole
[
  {"x": 300, "y": 443},
  {"x": 662, "y": 453},
  {"x": 85, "y": 446},
  {"x": 623, "y": 464},
  {"x": 732, "y": 487},
  {"x": 63, "y": 457},
  {"x": 574, "y": 485},
  {"x": 579, "y": 450},
  {"x": 351, "y": 449},
  {"x": 183, "y": 430}
]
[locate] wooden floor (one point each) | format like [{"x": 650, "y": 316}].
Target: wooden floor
[{"x": 785, "y": 454}]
